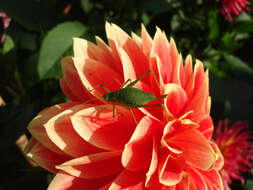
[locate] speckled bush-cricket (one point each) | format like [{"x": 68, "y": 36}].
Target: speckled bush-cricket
[{"x": 130, "y": 97}]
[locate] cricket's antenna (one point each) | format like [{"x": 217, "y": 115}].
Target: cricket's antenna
[
  {"x": 101, "y": 86},
  {"x": 131, "y": 84},
  {"x": 104, "y": 87},
  {"x": 155, "y": 79}
]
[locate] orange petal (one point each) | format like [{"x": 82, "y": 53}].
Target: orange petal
[
  {"x": 198, "y": 102},
  {"x": 146, "y": 41},
  {"x": 137, "y": 153},
  {"x": 96, "y": 126},
  {"x": 60, "y": 130},
  {"x": 129, "y": 180},
  {"x": 184, "y": 184},
  {"x": 43, "y": 156},
  {"x": 93, "y": 166},
  {"x": 116, "y": 64},
  {"x": 156, "y": 83},
  {"x": 176, "y": 99},
  {"x": 67, "y": 91},
  {"x": 72, "y": 81},
  {"x": 178, "y": 76},
  {"x": 150, "y": 175},
  {"x": 220, "y": 160},
  {"x": 137, "y": 39},
  {"x": 170, "y": 173},
  {"x": 189, "y": 77},
  {"x": 197, "y": 180},
  {"x": 128, "y": 68},
  {"x": 206, "y": 127},
  {"x": 199, "y": 75},
  {"x": 161, "y": 48},
  {"x": 195, "y": 148},
  {"x": 212, "y": 179},
  {"x": 119, "y": 39},
  {"x": 92, "y": 73},
  {"x": 100, "y": 53},
  {"x": 63, "y": 181},
  {"x": 37, "y": 129}
]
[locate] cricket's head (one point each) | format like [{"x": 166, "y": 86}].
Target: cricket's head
[{"x": 107, "y": 97}]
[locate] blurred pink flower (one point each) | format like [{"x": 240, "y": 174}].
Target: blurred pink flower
[
  {"x": 170, "y": 147},
  {"x": 233, "y": 7},
  {"x": 236, "y": 148},
  {"x": 5, "y": 23}
]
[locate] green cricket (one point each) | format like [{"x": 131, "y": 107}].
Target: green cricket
[{"x": 130, "y": 97}]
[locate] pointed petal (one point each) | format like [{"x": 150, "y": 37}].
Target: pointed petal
[
  {"x": 184, "y": 184},
  {"x": 129, "y": 180},
  {"x": 151, "y": 174},
  {"x": 197, "y": 180},
  {"x": 219, "y": 157},
  {"x": 96, "y": 126},
  {"x": 94, "y": 165},
  {"x": 130, "y": 73},
  {"x": 44, "y": 157},
  {"x": 60, "y": 130},
  {"x": 137, "y": 153},
  {"x": 67, "y": 91},
  {"x": 195, "y": 148},
  {"x": 156, "y": 83},
  {"x": 161, "y": 48},
  {"x": 128, "y": 68},
  {"x": 137, "y": 39},
  {"x": 206, "y": 127},
  {"x": 178, "y": 76},
  {"x": 119, "y": 39},
  {"x": 93, "y": 73},
  {"x": 146, "y": 41},
  {"x": 176, "y": 99},
  {"x": 63, "y": 181},
  {"x": 213, "y": 179},
  {"x": 115, "y": 63},
  {"x": 88, "y": 50},
  {"x": 72, "y": 81},
  {"x": 198, "y": 102},
  {"x": 170, "y": 172},
  {"x": 37, "y": 126},
  {"x": 189, "y": 77}
]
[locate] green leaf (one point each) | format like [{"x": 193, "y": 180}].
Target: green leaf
[
  {"x": 248, "y": 185},
  {"x": 86, "y": 5},
  {"x": 244, "y": 28},
  {"x": 239, "y": 68},
  {"x": 54, "y": 45},
  {"x": 28, "y": 71},
  {"x": 229, "y": 41},
  {"x": 213, "y": 24},
  {"x": 8, "y": 44},
  {"x": 33, "y": 15}
]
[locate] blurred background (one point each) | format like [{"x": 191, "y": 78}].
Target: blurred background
[{"x": 36, "y": 34}]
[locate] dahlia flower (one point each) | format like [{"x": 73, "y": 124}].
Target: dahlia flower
[
  {"x": 161, "y": 147},
  {"x": 237, "y": 150},
  {"x": 233, "y": 7}
]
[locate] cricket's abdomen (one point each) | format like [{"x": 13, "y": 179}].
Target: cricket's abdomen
[{"x": 132, "y": 97}]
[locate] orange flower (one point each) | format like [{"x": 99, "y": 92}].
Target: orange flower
[
  {"x": 168, "y": 148},
  {"x": 233, "y": 7},
  {"x": 237, "y": 150}
]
